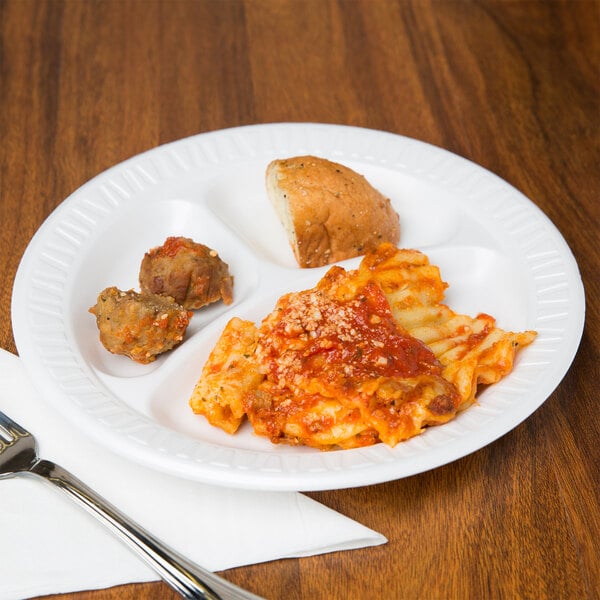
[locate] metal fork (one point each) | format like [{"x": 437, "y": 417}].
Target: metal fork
[{"x": 18, "y": 456}]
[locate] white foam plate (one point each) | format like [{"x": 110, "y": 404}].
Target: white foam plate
[{"x": 499, "y": 253}]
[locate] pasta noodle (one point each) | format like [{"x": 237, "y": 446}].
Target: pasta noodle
[{"x": 368, "y": 355}]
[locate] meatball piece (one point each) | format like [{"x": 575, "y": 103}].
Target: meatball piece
[
  {"x": 140, "y": 326},
  {"x": 191, "y": 273}
]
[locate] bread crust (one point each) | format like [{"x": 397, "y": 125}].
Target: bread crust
[{"x": 329, "y": 211}]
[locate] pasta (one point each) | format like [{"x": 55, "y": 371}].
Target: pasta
[{"x": 366, "y": 356}]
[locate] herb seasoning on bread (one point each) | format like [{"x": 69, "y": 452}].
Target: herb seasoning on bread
[{"x": 329, "y": 211}]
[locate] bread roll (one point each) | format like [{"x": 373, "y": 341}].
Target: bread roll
[{"x": 329, "y": 211}]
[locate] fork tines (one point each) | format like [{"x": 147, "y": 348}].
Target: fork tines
[{"x": 9, "y": 430}]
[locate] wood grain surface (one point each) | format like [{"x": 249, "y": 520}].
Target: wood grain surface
[{"x": 512, "y": 85}]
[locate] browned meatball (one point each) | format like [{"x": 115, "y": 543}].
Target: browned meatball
[
  {"x": 140, "y": 326},
  {"x": 191, "y": 273}
]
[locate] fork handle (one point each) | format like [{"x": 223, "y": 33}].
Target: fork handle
[{"x": 185, "y": 577}]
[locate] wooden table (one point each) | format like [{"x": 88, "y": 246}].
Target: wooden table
[{"x": 511, "y": 85}]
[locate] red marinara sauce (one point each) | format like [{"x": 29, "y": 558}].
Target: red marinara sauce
[
  {"x": 314, "y": 335},
  {"x": 172, "y": 246}
]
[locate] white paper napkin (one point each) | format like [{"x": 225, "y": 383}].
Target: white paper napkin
[{"x": 49, "y": 545}]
